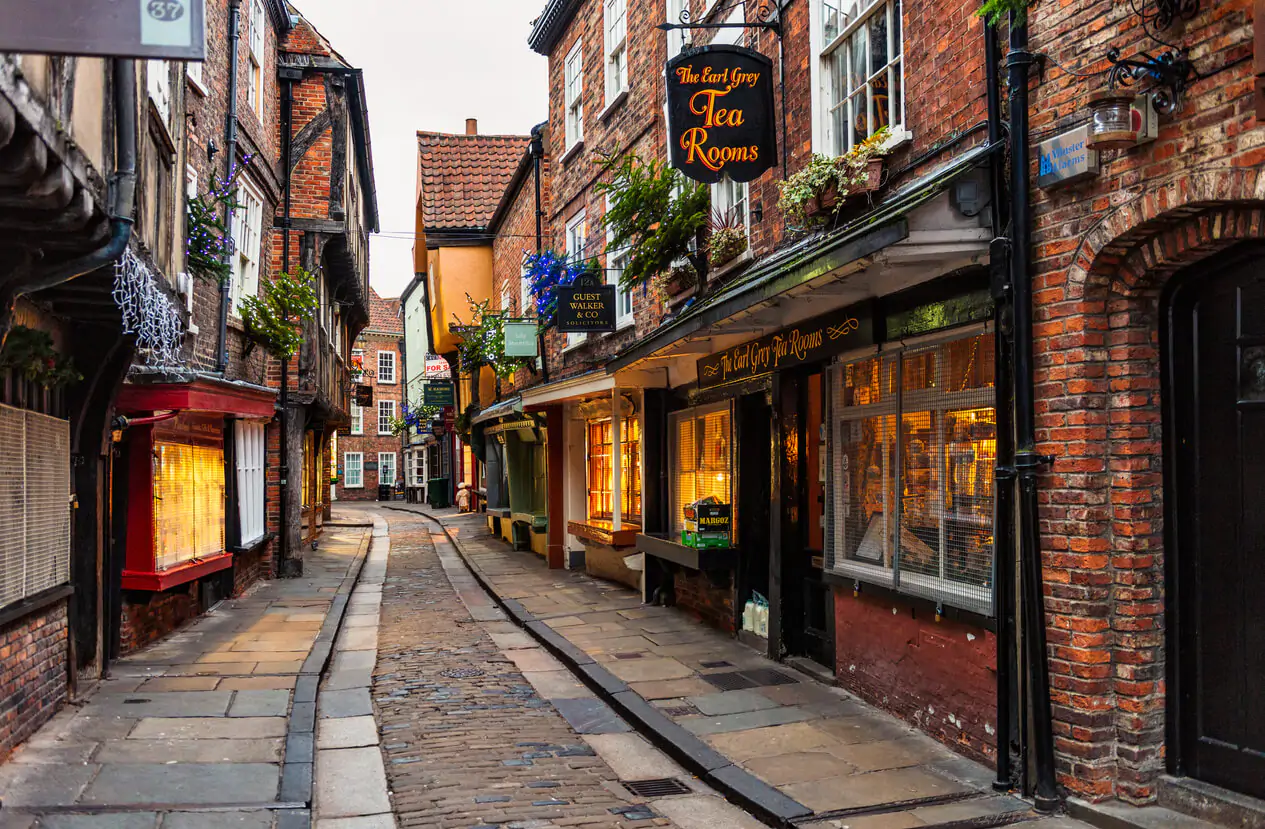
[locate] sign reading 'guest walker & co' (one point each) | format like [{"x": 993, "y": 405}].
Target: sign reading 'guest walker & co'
[
  {"x": 720, "y": 113},
  {"x": 815, "y": 339},
  {"x": 586, "y": 306}
]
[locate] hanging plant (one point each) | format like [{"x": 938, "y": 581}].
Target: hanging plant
[
  {"x": 483, "y": 342},
  {"x": 209, "y": 240},
  {"x": 275, "y": 320},
  {"x": 545, "y": 272},
  {"x": 29, "y": 353},
  {"x": 463, "y": 422},
  {"x": 823, "y": 185},
  {"x": 413, "y": 418},
  {"x": 657, "y": 215}
]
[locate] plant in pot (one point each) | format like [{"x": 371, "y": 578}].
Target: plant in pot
[
  {"x": 29, "y": 353},
  {"x": 820, "y": 189},
  {"x": 728, "y": 238}
]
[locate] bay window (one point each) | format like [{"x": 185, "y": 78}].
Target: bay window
[
  {"x": 616, "y": 19},
  {"x": 860, "y": 69},
  {"x": 574, "y": 91},
  {"x": 353, "y": 470},
  {"x": 601, "y": 470},
  {"x": 913, "y": 449},
  {"x": 701, "y": 463},
  {"x": 249, "y": 448}
]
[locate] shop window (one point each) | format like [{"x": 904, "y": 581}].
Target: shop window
[
  {"x": 701, "y": 460},
  {"x": 353, "y": 470},
  {"x": 34, "y": 503},
  {"x": 188, "y": 493},
  {"x": 912, "y": 454},
  {"x": 601, "y": 483},
  {"x": 386, "y": 468},
  {"x": 860, "y": 70},
  {"x": 415, "y": 461},
  {"x": 249, "y": 449}
]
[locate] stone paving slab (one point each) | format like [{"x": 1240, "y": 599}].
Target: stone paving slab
[
  {"x": 191, "y": 751},
  {"x": 350, "y": 782},
  {"x": 184, "y": 783}
]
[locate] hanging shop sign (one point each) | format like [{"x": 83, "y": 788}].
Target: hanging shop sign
[
  {"x": 1066, "y": 158},
  {"x": 364, "y": 396},
  {"x": 437, "y": 393},
  {"x": 118, "y": 28},
  {"x": 521, "y": 339},
  {"x": 720, "y": 113},
  {"x": 586, "y": 306},
  {"x": 815, "y": 339},
  {"x": 437, "y": 368}
]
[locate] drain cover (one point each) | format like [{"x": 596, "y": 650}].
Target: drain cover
[
  {"x": 461, "y": 673},
  {"x": 136, "y": 701},
  {"x": 662, "y": 787},
  {"x": 718, "y": 664},
  {"x": 730, "y": 681},
  {"x": 767, "y": 676},
  {"x": 628, "y": 655}
]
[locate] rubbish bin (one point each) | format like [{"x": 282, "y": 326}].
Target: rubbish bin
[
  {"x": 384, "y": 492},
  {"x": 437, "y": 492}
]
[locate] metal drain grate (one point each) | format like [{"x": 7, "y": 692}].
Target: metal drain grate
[
  {"x": 461, "y": 673},
  {"x": 141, "y": 701},
  {"x": 662, "y": 787},
  {"x": 718, "y": 664},
  {"x": 730, "y": 681},
  {"x": 629, "y": 655},
  {"x": 765, "y": 677}
]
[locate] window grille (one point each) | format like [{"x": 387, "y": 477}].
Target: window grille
[
  {"x": 386, "y": 366},
  {"x": 34, "y": 503},
  {"x": 912, "y": 454},
  {"x": 386, "y": 415},
  {"x": 701, "y": 458}
]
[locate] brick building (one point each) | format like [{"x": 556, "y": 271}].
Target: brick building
[
  {"x": 1147, "y": 303},
  {"x": 370, "y": 453}
]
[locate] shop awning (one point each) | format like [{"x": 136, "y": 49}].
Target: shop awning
[
  {"x": 512, "y": 406},
  {"x": 582, "y": 385},
  {"x": 198, "y": 394},
  {"x": 806, "y": 262}
]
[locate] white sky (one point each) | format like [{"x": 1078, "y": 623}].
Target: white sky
[{"x": 430, "y": 65}]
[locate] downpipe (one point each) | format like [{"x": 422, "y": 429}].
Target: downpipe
[
  {"x": 537, "y": 150},
  {"x": 1028, "y": 463},
  {"x": 230, "y": 153}
]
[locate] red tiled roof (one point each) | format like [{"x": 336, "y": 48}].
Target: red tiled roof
[
  {"x": 384, "y": 314},
  {"x": 464, "y": 176}
]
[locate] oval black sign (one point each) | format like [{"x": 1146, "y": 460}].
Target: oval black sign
[
  {"x": 165, "y": 10},
  {"x": 720, "y": 113}
]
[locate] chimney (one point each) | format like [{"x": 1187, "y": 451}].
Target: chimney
[{"x": 472, "y": 126}]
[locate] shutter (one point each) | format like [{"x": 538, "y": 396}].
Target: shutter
[
  {"x": 12, "y": 505},
  {"x": 250, "y": 479},
  {"x": 48, "y": 502}
]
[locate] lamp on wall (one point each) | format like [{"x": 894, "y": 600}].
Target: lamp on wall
[
  {"x": 1165, "y": 77},
  {"x": 1111, "y": 124}
]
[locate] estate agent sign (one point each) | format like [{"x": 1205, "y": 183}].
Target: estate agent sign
[
  {"x": 720, "y": 113},
  {"x": 815, "y": 339},
  {"x": 586, "y": 306},
  {"x": 123, "y": 28}
]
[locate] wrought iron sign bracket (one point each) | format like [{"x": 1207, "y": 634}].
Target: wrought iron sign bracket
[
  {"x": 1166, "y": 76},
  {"x": 766, "y": 15}
]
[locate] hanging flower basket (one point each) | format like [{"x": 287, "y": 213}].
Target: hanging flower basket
[{"x": 828, "y": 200}]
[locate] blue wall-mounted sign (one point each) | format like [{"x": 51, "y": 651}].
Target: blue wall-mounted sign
[{"x": 1066, "y": 158}]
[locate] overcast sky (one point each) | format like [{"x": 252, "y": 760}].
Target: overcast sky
[{"x": 430, "y": 65}]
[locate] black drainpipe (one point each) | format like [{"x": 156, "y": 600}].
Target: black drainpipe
[
  {"x": 1028, "y": 462},
  {"x": 230, "y": 159},
  {"x": 537, "y": 150},
  {"x": 289, "y": 76},
  {"x": 1003, "y": 522}
]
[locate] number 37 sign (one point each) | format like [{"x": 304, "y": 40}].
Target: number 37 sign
[{"x": 120, "y": 28}]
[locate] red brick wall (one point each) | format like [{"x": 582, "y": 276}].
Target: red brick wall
[
  {"x": 938, "y": 676},
  {"x": 1103, "y": 249},
  {"x": 148, "y": 617},
  {"x": 33, "y": 686},
  {"x": 384, "y": 334},
  {"x": 711, "y": 603}
]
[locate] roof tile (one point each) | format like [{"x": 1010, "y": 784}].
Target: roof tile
[{"x": 464, "y": 176}]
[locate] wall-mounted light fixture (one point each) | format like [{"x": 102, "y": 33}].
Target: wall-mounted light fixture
[
  {"x": 1120, "y": 119},
  {"x": 757, "y": 212},
  {"x": 1165, "y": 77}
]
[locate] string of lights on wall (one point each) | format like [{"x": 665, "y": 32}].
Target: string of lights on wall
[{"x": 148, "y": 313}]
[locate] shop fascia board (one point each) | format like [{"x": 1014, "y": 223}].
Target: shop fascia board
[{"x": 572, "y": 388}]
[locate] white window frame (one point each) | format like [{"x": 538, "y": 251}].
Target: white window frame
[
  {"x": 389, "y": 481},
  {"x": 577, "y": 229},
  {"x": 507, "y": 302},
  {"x": 676, "y": 37},
  {"x": 386, "y": 413},
  {"x": 851, "y": 17},
  {"x": 358, "y": 480},
  {"x": 615, "y": 27},
  {"x": 357, "y": 420},
  {"x": 193, "y": 68},
  {"x": 526, "y": 305},
  {"x": 247, "y": 244},
  {"x": 158, "y": 82},
  {"x": 250, "y": 456},
  {"x": 254, "y": 91},
  {"x": 573, "y": 94},
  {"x": 616, "y": 260},
  {"x": 387, "y": 377}
]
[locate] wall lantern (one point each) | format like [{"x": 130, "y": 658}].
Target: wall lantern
[{"x": 1119, "y": 119}]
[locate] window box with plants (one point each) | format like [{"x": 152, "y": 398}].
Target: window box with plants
[{"x": 818, "y": 191}]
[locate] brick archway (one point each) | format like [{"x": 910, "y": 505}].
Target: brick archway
[{"x": 1100, "y": 414}]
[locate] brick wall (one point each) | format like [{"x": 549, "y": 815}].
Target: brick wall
[
  {"x": 515, "y": 237},
  {"x": 1103, "y": 249},
  {"x": 148, "y": 617},
  {"x": 938, "y": 676},
  {"x": 384, "y": 334},
  {"x": 249, "y": 568},
  {"x": 33, "y": 687},
  {"x": 709, "y": 598}
]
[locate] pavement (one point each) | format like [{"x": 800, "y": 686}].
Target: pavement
[
  {"x": 211, "y": 727},
  {"x": 787, "y": 747}
]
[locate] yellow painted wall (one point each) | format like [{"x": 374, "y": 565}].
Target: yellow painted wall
[{"x": 457, "y": 271}]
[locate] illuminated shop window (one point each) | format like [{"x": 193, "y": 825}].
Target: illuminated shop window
[
  {"x": 601, "y": 501},
  {"x": 702, "y": 460},
  {"x": 188, "y": 493}
]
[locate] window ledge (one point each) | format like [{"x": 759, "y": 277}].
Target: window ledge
[
  {"x": 156, "y": 581},
  {"x": 254, "y": 545},
  {"x": 621, "y": 327},
  {"x": 613, "y": 105},
  {"x": 573, "y": 346},
  {"x": 196, "y": 85},
  {"x": 572, "y": 151},
  {"x": 601, "y": 532},
  {"x": 899, "y": 138},
  {"x": 733, "y": 264}
]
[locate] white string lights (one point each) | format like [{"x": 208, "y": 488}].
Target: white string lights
[{"x": 148, "y": 313}]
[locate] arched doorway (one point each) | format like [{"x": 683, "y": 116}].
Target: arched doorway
[{"x": 1214, "y": 339}]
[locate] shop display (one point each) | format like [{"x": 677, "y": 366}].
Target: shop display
[
  {"x": 707, "y": 524},
  {"x": 700, "y": 463}
]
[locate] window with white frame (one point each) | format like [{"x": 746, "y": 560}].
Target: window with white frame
[
  {"x": 357, "y": 420},
  {"x": 577, "y": 228},
  {"x": 616, "y": 19},
  {"x": 190, "y": 182},
  {"x": 247, "y": 227},
  {"x": 386, "y": 468},
  {"x": 386, "y": 366},
  {"x": 574, "y": 88},
  {"x": 386, "y": 414},
  {"x": 353, "y": 470},
  {"x": 676, "y": 37},
  {"x": 526, "y": 302},
  {"x": 249, "y": 448},
  {"x": 415, "y": 463},
  {"x": 860, "y": 70},
  {"x": 158, "y": 80},
  {"x": 616, "y": 260},
  {"x": 255, "y": 86},
  {"x": 730, "y": 199},
  {"x": 507, "y": 308}
]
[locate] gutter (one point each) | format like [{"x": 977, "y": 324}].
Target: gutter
[{"x": 230, "y": 159}]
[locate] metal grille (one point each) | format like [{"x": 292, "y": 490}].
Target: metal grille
[
  {"x": 34, "y": 503},
  {"x": 660, "y": 787},
  {"x": 730, "y": 681},
  {"x": 912, "y": 454},
  {"x": 765, "y": 677}
]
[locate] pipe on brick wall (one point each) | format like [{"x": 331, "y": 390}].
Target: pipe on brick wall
[
  {"x": 230, "y": 160},
  {"x": 1028, "y": 462},
  {"x": 283, "y": 420},
  {"x": 537, "y": 150}
]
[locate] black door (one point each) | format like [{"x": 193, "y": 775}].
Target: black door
[{"x": 1216, "y": 520}]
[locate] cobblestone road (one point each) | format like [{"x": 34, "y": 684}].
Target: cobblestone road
[{"x": 468, "y": 742}]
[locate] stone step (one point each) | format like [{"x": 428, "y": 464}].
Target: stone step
[
  {"x": 1212, "y": 803},
  {"x": 1113, "y": 814}
]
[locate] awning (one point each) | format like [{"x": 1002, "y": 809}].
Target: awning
[
  {"x": 582, "y": 385},
  {"x": 200, "y": 394},
  {"x": 810, "y": 259},
  {"x": 512, "y": 406}
]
